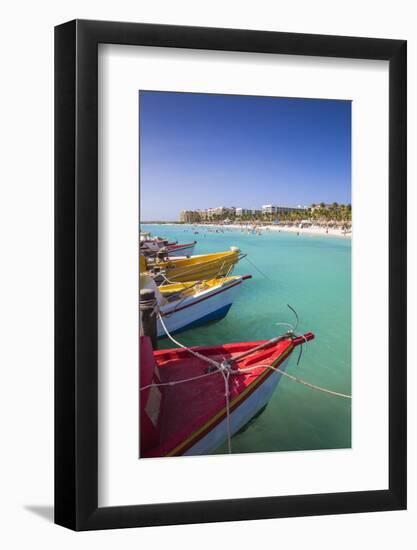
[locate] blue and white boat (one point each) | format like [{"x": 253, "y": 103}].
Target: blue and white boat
[{"x": 186, "y": 305}]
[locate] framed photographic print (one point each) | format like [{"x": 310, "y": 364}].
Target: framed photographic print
[{"x": 230, "y": 247}]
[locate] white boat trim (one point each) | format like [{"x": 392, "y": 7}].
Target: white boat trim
[
  {"x": 208, "y": 305},
  {"x": 240, "y": 416}
]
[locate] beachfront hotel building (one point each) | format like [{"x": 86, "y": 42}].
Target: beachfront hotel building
[
  {"x": 189, "y": 216},
  {"x": 207, "y": 214},
  {"x": 271, "y": 209},
  {"x": 230, "y": 212},
  {"x": 243, "y": 212},
  {"x": 223, "y": 211},
  {"x": 203, "y": 214}
]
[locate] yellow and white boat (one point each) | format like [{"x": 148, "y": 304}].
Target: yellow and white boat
[
  {"x": 186, "y": 305},
  {"x": 194, "y": 268}
]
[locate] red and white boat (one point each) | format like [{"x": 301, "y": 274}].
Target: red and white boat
[
  {"x": 181, "y": 249},
  {"x": 154, "y": 245},
  {"x": 183, "y": 406}
]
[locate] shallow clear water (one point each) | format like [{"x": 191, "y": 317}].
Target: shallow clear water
[{"x": 313, "y": 275}]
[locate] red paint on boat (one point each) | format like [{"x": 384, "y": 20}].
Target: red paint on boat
[
  {"x": 174, "y": 247},
  {"x": 151, "y": 398},
  {"x": 190, "y": 410}
]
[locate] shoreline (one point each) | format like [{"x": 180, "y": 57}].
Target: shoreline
[{"x": 312, "y": 230}]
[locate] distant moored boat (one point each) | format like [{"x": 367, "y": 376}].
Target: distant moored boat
[{"x": 181, "y": 249}]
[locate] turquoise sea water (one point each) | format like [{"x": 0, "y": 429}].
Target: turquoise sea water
[{"x": 313, "y": 275}]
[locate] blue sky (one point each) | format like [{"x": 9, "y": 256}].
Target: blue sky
[{"x": 204, "y": 150}]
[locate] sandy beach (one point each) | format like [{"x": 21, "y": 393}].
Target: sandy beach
[{"x": 311, "y": 230}]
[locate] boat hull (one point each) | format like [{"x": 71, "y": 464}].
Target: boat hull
[
  {"x": 197, "y": 310},
  {"x": 189, "y": 414},
  {"x": 181, "y": 250},
  {"x": 240, "y": 416}
]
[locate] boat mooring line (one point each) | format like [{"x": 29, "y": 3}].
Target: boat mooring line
[
  {"x": 293, "y": 329},
  {"x": 299, "y": 380},
  {"x": 296, "y": 316},
  {"x": 222, "y": 368},
  {"x": 312, "y": 386},
  {"x": 285, "y": 325},
  {"x": 195, "y": 353},
  {"x": 257, "y": 268},
  {"x": 225, "y": 370},
  {"x": 175, "y": 382}
]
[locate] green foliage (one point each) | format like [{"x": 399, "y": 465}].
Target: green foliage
[{"x": 320, "y": 213}]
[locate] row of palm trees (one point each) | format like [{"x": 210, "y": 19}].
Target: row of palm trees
[
  {"x": 337, "y": 212},
  {"x": 318, "y": 213}
]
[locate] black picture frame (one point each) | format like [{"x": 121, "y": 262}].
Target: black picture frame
[{"x": 76, "y": 271}]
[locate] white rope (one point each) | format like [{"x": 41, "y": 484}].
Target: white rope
[
  {"x": 249, "y": 369},
  {"x": 286, "y": 325},
  {"x": 227, "y": 395},
  {"x": 257, "y": 268},
  {"x": 166, "y": 279},
  {"x": 225, "y": 370},
  {"x": 175, "y": 382},
  {"x": 299, "y": 380},
  {"x": 220, "y": 367},
  {"x": 195, "y": 353},
  {"x": 312, "y": 386}
]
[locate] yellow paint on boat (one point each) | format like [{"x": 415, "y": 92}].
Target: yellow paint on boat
[
  {"x": 197, "y": 268},
  {"x": 142, "y": 263},
  {"x": 194, "y": 287}
]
